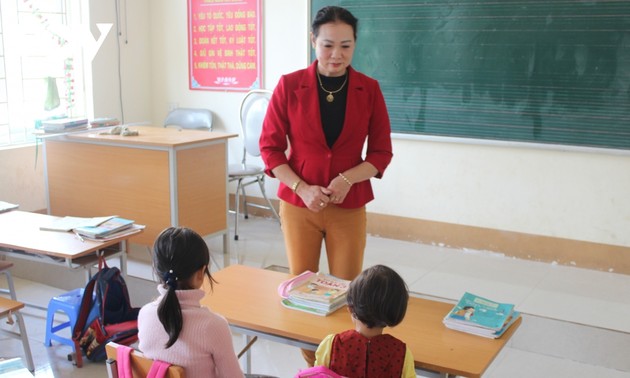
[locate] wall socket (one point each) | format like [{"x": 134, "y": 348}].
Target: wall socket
[{"x": 172, "y": 106}]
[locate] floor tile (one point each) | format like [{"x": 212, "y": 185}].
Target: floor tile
[
  {"x": 582, "y": 296},
  {"x": 520, "y": 364}
]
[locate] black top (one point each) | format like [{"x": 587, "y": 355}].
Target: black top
[{"x": 332, "y": 113}]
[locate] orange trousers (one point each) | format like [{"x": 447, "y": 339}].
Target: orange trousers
[{"x": 342, "y": 230}]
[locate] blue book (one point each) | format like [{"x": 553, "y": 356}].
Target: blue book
[
  {"x": 477, "y": 311},
  {"x": 106, "y": 228}
]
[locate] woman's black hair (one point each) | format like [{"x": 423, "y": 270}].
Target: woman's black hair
[
  {"x": 378, "y": 297},
  {"x": 334, "y": 14},
  {"x": 178, "y": 253}
]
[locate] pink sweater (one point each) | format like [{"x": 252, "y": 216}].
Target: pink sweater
[{"x": 204, "y": 347}]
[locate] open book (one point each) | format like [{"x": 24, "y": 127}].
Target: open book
[
  {"x": 7, "y": 206},
  {"x": 66, "y": 224}
]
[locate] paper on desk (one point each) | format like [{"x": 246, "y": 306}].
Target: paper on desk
[
  {"x": 68, "y": 223},
  {"x": 6, "y": 206}
]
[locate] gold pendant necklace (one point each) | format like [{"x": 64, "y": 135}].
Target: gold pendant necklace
[{"x": 330, "y": 97}]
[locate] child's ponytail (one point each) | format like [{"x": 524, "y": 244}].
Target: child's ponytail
[{"x": 169, "y": 310}]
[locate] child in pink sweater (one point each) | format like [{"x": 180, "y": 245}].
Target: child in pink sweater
[{"x": 175, "y": 328}]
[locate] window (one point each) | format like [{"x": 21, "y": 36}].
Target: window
[{"x": 41, "y": 74}]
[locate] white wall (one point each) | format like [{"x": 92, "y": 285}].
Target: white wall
[
  {"x": 580, "y": 195},
  {"x": 129, "y": 77}
]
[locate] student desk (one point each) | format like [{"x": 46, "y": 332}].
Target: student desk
[
  {"x": 21, "y": 237},
  {"x": 162, "y": 177},
  {"x": 248, "y": 298}
]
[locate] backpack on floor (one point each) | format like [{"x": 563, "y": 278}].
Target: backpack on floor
[{"x": 105, "y": 315}]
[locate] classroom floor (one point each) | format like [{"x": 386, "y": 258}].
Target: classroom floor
[{"x": 575, "y": 324}]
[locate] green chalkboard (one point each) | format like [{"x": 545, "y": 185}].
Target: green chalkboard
[{"x": 554, "y": 72}]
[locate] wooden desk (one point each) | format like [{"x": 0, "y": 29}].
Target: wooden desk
[
  {"x": 160, "y": 178},
  {"x": 248, "y": 298},
  {"x": 22, "y": 238}
]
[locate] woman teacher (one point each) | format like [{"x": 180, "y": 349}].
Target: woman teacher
[{"x": 324, "y": 115}]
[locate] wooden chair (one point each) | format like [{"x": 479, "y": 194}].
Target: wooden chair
[
  {"x": 9, "y": 309},
  {"x": 140, "y": 365},
  {"x": 4, "y": 269}
]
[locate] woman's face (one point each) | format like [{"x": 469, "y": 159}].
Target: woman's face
[{"x": 334, "y": 47}]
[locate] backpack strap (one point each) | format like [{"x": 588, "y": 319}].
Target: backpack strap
[
  {"x": 84, "y": 311},
  {"x": 158, "y": 369},
  {"x": 123, "y": 361},
  {"x": 317, "y": 372}
]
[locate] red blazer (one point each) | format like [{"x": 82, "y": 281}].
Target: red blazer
[{"x": 293, "y": 119}]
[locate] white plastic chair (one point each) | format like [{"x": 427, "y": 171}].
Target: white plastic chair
[
  {"x": 189, "y": 118},
  {"x": 252, "y": 115}
]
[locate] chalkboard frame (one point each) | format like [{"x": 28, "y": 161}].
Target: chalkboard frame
[{"x": 601, "y": 121}]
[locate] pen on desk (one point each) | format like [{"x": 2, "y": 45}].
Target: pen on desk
[{"x": 79, "y": 236}]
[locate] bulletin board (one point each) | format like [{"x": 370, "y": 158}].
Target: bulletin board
[
  {"x": 546, "y": 72},
  {"x": 225, "y": 45}
]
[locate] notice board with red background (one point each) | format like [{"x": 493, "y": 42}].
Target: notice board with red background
[{"x": 225, "y": 44}]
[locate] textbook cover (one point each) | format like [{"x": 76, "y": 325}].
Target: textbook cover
[
  {"x": 477, "y": 311},
  {"x": 320, "y": 287}
]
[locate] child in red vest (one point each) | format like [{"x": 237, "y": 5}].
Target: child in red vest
[{"x": 377, "y": 298}]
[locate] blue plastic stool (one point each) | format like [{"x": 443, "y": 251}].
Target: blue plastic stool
[{"x": 69, "y": 303}]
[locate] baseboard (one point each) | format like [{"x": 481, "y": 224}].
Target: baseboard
[
  {"x": 560, "y": 251},
  {"x": 582, "y": 254}
]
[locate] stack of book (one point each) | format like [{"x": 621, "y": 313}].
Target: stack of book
[
  {"x": 104, "y": 121},
  {"x": 115, "y": 226},
  {"x": 315, "y": 293},
  {"x": 64, "y": 124},
  {"x": 480, "y": 316}
]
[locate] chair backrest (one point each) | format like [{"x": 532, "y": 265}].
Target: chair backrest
[
  {"x": 189, "y": 118},
  {"x": 140, "y": 365},
  {"x": 253, "y": 110}
]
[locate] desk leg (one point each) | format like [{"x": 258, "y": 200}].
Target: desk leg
[
  {"x": 248, "y": 355},
  {"x": 226, "y": 249},
  {"x": 432, "y": 374},
  {"x": 123, "y": 258},
  {"x": 25, "y": 344}
]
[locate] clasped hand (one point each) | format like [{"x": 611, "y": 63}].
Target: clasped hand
[{"x": 317, "y": 197}]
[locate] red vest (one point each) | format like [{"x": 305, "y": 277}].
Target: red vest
[{"x": 355, "y": 356}]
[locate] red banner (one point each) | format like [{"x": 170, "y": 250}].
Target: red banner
[{"x": 225, "y": 44}]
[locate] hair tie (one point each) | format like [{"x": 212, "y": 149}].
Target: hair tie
[{"x": 171, "y": 279}]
